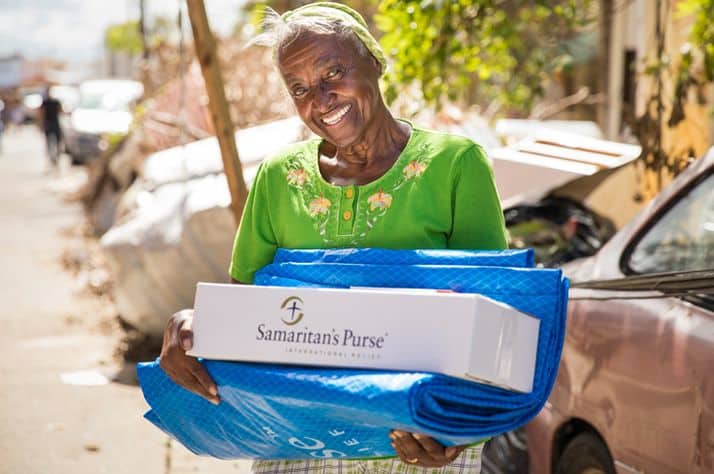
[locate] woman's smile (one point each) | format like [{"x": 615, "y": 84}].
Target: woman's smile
[{"x": 336, "y": 116}]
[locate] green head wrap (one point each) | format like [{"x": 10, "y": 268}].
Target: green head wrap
[{"x": 348, "y": 16}]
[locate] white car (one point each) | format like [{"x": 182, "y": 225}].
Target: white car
[{"x": 104, "y": 108}]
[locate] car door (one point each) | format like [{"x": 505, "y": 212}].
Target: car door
[
  {"x": 636, "y": 365},
  {"x": 670, "y": 428}
]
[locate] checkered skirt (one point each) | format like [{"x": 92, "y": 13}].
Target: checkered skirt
[{"x": 468, "y": 462}]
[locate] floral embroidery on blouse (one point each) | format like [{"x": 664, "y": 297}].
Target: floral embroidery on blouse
[
  {"x": 297, "y": 177},
  {"x": 319, "y": 206},
  {"x": 300, "y": 175},
  {"x": 413, "y": 169},
  {"x": 379, "y": 200}
]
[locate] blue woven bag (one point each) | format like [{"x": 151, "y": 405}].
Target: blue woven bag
[{"x": 270, "y": 411}]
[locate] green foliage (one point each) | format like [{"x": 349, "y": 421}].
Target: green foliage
[
  {"x": 478, "y": 50},
  {"x": 161, "y": 30},
  {"x": 114, "y": 140},
  {"x": 124, "y": 37},
  {"x": 255, "y": 12},
  {"x": 656, "y": 159},
  {"x": 701, "y": 43},
  {"x": 702, "y": 35}
]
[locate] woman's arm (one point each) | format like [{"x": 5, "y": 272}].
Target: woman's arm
[{"x": 478, "y": 221}]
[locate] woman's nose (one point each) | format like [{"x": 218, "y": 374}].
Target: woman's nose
[{"x": 323, "y": 98}]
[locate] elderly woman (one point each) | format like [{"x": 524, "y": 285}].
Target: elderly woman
[{"x": 368, "y": 180}]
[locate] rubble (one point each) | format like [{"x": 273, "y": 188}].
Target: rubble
[
  {"x": 176, "y": 115},
  {"x": 175, "y": 227},
  {"x": 87, "y": 264}
]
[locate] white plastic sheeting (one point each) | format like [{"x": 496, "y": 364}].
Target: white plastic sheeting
[
  {"x": 549, "y": 158},
  {"x": 204, "y": 156},
  {"x": 514, "y": 130},
  {"x": 181, "y": 229}
]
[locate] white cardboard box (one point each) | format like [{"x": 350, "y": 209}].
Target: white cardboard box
[{"x": 463, "y": 335}]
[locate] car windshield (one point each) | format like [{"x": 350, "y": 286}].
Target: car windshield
[
  {"x": 112, "y": 100},
  {"x": 683, "y": 239},
  {"x": 91, "y": 100}
]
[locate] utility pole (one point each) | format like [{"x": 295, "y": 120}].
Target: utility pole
[
  {"x": 218, "y": 105},
  {"x": 145, "y": 73},
  {"x": 142, "y": 30}
]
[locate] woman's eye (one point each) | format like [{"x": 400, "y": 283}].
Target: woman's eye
[
  {"x": 299, "y": 91},
  {"x": 333, "y": 73}
]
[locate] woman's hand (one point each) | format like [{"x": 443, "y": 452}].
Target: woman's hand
[
  {"x": 421, "y": 450},
  {"x": 185, "y": 370}
]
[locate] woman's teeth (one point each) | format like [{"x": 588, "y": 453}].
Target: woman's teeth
[{"x": 336, "y": 116}]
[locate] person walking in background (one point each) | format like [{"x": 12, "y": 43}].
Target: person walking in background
[{"x": 49, "y": 121}]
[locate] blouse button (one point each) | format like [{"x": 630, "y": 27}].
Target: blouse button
[
  {"x": 349, "y": 193},
  {"x": 347, "y": 215}
]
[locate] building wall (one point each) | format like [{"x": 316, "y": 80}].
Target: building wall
[
  {"x": 119, "y": 64},
  {"x": 11, "y": 71}
]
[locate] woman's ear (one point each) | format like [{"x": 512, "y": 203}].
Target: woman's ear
[{"x": 377, "y": 65}]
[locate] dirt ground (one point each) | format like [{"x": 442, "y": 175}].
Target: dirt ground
[{"x": 68, "y": 403}]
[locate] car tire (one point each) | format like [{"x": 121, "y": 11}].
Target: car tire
[
  {"x": 506, "y": 453},
  {"x": 585, "y": 454}
]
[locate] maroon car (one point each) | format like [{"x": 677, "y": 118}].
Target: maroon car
[{"x": 635, "y": 390}]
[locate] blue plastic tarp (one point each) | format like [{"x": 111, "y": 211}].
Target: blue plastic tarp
[{"x": 270, "y": 411}]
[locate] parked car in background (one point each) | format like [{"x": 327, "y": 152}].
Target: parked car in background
[
  {"x": 635, "y": 392},
  {"x": 573, "y": 220},
  {"x": 104, "y": 108},
  {"x": 31, "y": 100}
]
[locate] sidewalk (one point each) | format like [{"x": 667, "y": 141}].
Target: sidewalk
[{"x": 60, "y": 412}]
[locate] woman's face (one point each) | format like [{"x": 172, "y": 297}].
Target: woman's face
[{"x": 335, "y": 88}]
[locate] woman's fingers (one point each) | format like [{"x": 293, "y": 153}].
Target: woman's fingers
[
  {"x": 453, "y": 452},
  {"x": 207, "y": 385},
  {"x": 185, "y": 334},
  {"x": 434, "y": 449},
  {"x": 190, "y": 374},
  {"x": 182, "y": 369},
  {"x": 408, "y": 449},
  {"x": 439, "y": 451},
  {"x": 422, "y": 450}
]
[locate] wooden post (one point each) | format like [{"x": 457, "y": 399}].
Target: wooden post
[
  {"x": 607, "y": 8},
  {"x": 616, "y": 72},
  {"x": 208, "y": 59},
  {"x": 142, "y": 30}
]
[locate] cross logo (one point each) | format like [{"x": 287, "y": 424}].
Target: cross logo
[{"x": 290, "y": 305}]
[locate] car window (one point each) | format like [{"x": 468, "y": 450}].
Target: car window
[
  {"x": 682, "y": 239},
  {"x": 91, "y": 100}
]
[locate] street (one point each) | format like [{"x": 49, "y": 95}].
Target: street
[{"x": 61, "y": 411}]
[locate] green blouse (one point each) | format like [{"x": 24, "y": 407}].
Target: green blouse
[{"x": 439, "y": 194}]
